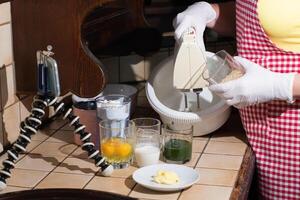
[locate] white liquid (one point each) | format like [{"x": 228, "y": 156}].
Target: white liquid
[{"x": 146, "y": 154}]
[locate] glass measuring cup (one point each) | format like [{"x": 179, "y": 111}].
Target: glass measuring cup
[{"x": 221, "y": 67}]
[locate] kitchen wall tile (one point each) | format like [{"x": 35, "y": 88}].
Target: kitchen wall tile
[
  {"x": 13, "y": 189},
  {"x": 54, "y": 149},
  {"x": 132, "y": 68},
  {"x": 112, "y": 66},
  {"x": 220, "y": 161},
  {"x": 5, "y": 45},
  {"x": 61, "y": 180},
  {"x": 154, "y": 60},
  {"x": 115, "y": 185},
  {"x": 225, "y": 148},
  {"x": 206, "y": 192},
  {"x": 39, "y": 162},
  {"x": 217, "y": 177},
  {"x": 11, "y": 123},
  {"x": 8, "y": 86},
  {"x": 73, "y": 165},
  {"x": 26, "y": 178},
  {"x": 5, "y": 13},
  {"x": 141, "y": 192}
]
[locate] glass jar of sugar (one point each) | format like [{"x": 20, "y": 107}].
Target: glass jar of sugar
[{"x": 113, "y": 107}]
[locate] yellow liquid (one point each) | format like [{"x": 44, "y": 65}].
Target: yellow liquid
[{"x": 117, "y": 150}]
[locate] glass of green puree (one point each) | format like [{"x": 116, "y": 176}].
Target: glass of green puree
[{"x": 177, "y": 145}]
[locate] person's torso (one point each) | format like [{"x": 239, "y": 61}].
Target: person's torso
[{"x": 280, "y": 19}]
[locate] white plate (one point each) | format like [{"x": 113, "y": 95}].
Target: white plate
[{"x": 187, "y": 177}]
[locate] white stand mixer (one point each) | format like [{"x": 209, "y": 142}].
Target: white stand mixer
[{"x": 172, "y": 85}]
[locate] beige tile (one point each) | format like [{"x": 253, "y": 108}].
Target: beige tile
[
  {"x": 61, "y": 180},
  {"x": 26, "y": 178},
  {"x": 39, "y": 162},
  {"x": 66, "y": 127},
  {"x": 1, "y": 71},
  {"x": 229, "y": 148},
  {"x": 8, "y": 86},
  {"x": 204, "y": 137},
  {"x": 54, "y": 149},
  {"x": 62, "y": 136},
  {"x": 229, "y": 137},
  {"x": 57, "y": 124},
  {"x": 13, "y": 189},
  {"x": 79, "y": 153},
  {"x": 1, "y": 133},
  {"x": 124, "y": 173},
  {"x": 153, "y": 61},
  {"x": 141, "y": 192},
  {"x": 3, "y": 157},
  {"x": 11, "y": 123},
  {"x": 132, "y": 68},
  {"x": 193, "y": 161},
  {"x": 220, "y": 161},
  {"x": 112, "y": 66},
  {"x": 115, "y": 185},
  {"x": 5, "y": 45},
  {"x": 32, "y": 145},
  {"x": 206, "y": 192},
  {"x": 42, "y": 135},
  {"x": 217, "y": 177},
  {"x": 77, "y": 166},
  {"x": 25, "y": 107},
  {"x": 198, "y": 145},
  {"x": 5, "y": 13}
]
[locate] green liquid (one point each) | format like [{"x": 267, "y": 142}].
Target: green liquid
[{"x": 178, "y": 150}]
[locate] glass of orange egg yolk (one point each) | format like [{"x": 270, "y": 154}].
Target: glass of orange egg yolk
[{"x": 117, "y": 142}]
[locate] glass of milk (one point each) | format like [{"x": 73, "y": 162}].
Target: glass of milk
[{"x": 147, "y": 148}]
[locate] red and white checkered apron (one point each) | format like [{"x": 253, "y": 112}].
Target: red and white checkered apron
[{"x": 273, "y": 128}]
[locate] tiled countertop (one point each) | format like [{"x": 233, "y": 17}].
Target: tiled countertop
[{"x": 52, "y": 161}]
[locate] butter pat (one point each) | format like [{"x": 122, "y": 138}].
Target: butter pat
[{"x": 166, "y": 177}]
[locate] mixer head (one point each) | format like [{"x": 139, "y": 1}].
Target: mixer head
[{"x": 189, "y": 63}]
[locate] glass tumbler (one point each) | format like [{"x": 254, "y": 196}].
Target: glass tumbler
[
  {"x": 221, "y": 67},
  {"x": 177, "y": 145},
  {"x": 147, "y": 148},
  {"x": 117, "y": 141}
]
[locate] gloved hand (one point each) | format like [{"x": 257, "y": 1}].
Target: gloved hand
[
  {"x": 257, "y": 85},
  {"x": 197, "y": 16}
]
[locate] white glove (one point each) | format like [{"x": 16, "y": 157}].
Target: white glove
[
  {"x": 257, "y": 85},
  {"x": 197, "y": 16}
]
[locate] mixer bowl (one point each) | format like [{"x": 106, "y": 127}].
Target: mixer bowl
[{"x": 169, "y": 103}]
